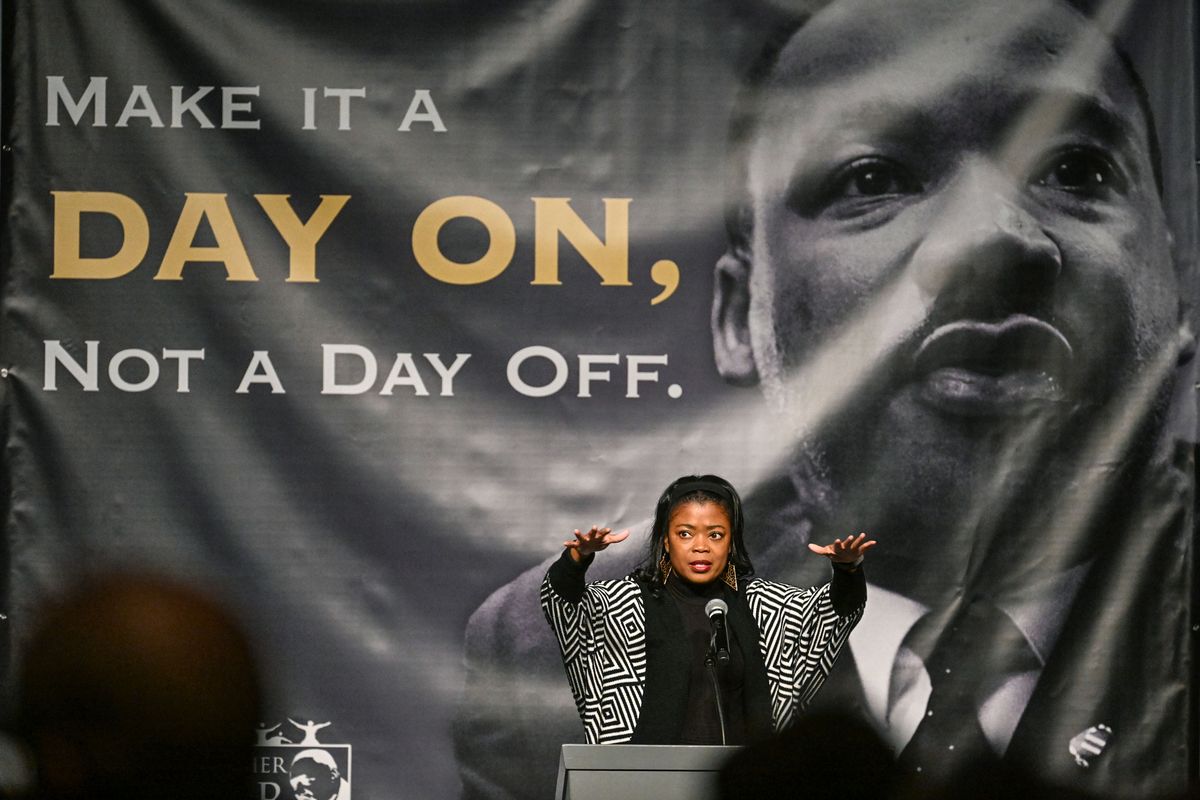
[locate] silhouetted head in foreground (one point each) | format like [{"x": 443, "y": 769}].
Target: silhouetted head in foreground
[
  {"x": 133, "y": 687},
  {"x": 821, "y": 756}
]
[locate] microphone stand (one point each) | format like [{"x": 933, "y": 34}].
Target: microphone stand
[{"x": 711, "y": 662}]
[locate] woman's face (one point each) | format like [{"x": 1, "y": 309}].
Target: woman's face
[{"x": 698, "y": 540}]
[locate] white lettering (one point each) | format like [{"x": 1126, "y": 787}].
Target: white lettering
[
  {"x": 587, "y": 374},
  {"x": 184, "y": 357},
  {"x": 422, "y": 109},
  {"x": 343, "y": 96},
  {"x": 537, "y": 351},
  {"x": 329, "y": 384},
  {"x": 56, "y": 90},
  {"x": 139, "y": 104},
  {"x": 179, "y": 106},
  {"x": 230, "y": 106},
  {"x": 637, "y": 376},
  {"x": 447, "y": 373},
  {"x": 56, "y": 354},
  {"x": 404, "y": 373},
  {"x": 310, "y": 109},
  {"x": 261, "y": 370},
  {"x": 114, "y": 370}
]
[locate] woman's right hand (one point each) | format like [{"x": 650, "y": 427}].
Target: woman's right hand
[{"x": 593, "y": 541}]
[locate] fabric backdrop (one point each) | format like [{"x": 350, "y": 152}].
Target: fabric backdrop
[{"x": 349, "y": 312}]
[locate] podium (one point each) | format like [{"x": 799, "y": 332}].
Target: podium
[{"x": 639, "y": 771}]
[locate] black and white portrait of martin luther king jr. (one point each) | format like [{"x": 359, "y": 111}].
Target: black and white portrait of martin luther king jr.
[
  {"x": 950, "y": 273},
  {"x": 959, "y": 206}
]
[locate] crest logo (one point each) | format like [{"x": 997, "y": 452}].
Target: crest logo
[{"x": 296, "y": 765}]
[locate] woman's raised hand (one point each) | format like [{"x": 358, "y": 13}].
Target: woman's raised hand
[
  {"x": 593, "y": 541},
  {"x": 844, "y": 551}
]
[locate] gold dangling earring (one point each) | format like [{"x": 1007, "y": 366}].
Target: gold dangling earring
[
  {"x": 664, "y": 567},
  {"x": 730, "y": 576}
]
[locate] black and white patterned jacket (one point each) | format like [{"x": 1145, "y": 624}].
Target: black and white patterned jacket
[{"x": 603, "y": 644}]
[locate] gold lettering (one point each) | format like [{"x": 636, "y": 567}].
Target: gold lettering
[
  {"x": 135, "y": 235},
  {"x": 502, "y": 244},
  {"x": 301, "y": 237},
  {"x": 229, "y": 249},
  {"x": 610, "y": 258}
]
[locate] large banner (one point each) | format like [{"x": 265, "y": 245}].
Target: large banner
[{"x": 349, "y": 312}]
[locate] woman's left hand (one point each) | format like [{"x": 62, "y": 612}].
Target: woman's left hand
[{"x": 844, "y": 551}]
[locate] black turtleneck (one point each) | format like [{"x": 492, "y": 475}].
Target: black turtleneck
[{"x": 701, "y": 724}]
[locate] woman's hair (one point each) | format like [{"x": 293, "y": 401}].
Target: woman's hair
[{"x": 695, "y": 489}]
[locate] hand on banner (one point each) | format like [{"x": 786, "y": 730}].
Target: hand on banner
[
  {"x": 844, "y": 551},
  {"x": 595, "y": 540}
]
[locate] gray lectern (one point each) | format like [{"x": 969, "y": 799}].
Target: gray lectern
[{"x": 639, "y": 771}]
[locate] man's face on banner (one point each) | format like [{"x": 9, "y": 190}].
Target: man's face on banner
[
  {"x": 311, "y": 780},
  {"x": 966, "y": 191}
]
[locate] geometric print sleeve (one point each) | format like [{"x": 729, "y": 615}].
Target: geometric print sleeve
[
  {"x": 800, "y": 636},
  {"x": 602, "y": 638}
]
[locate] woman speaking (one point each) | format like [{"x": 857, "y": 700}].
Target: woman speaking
[{"x": 647, "y": 664}]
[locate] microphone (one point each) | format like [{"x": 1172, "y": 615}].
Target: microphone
[{"x": 715, "y": 610}]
